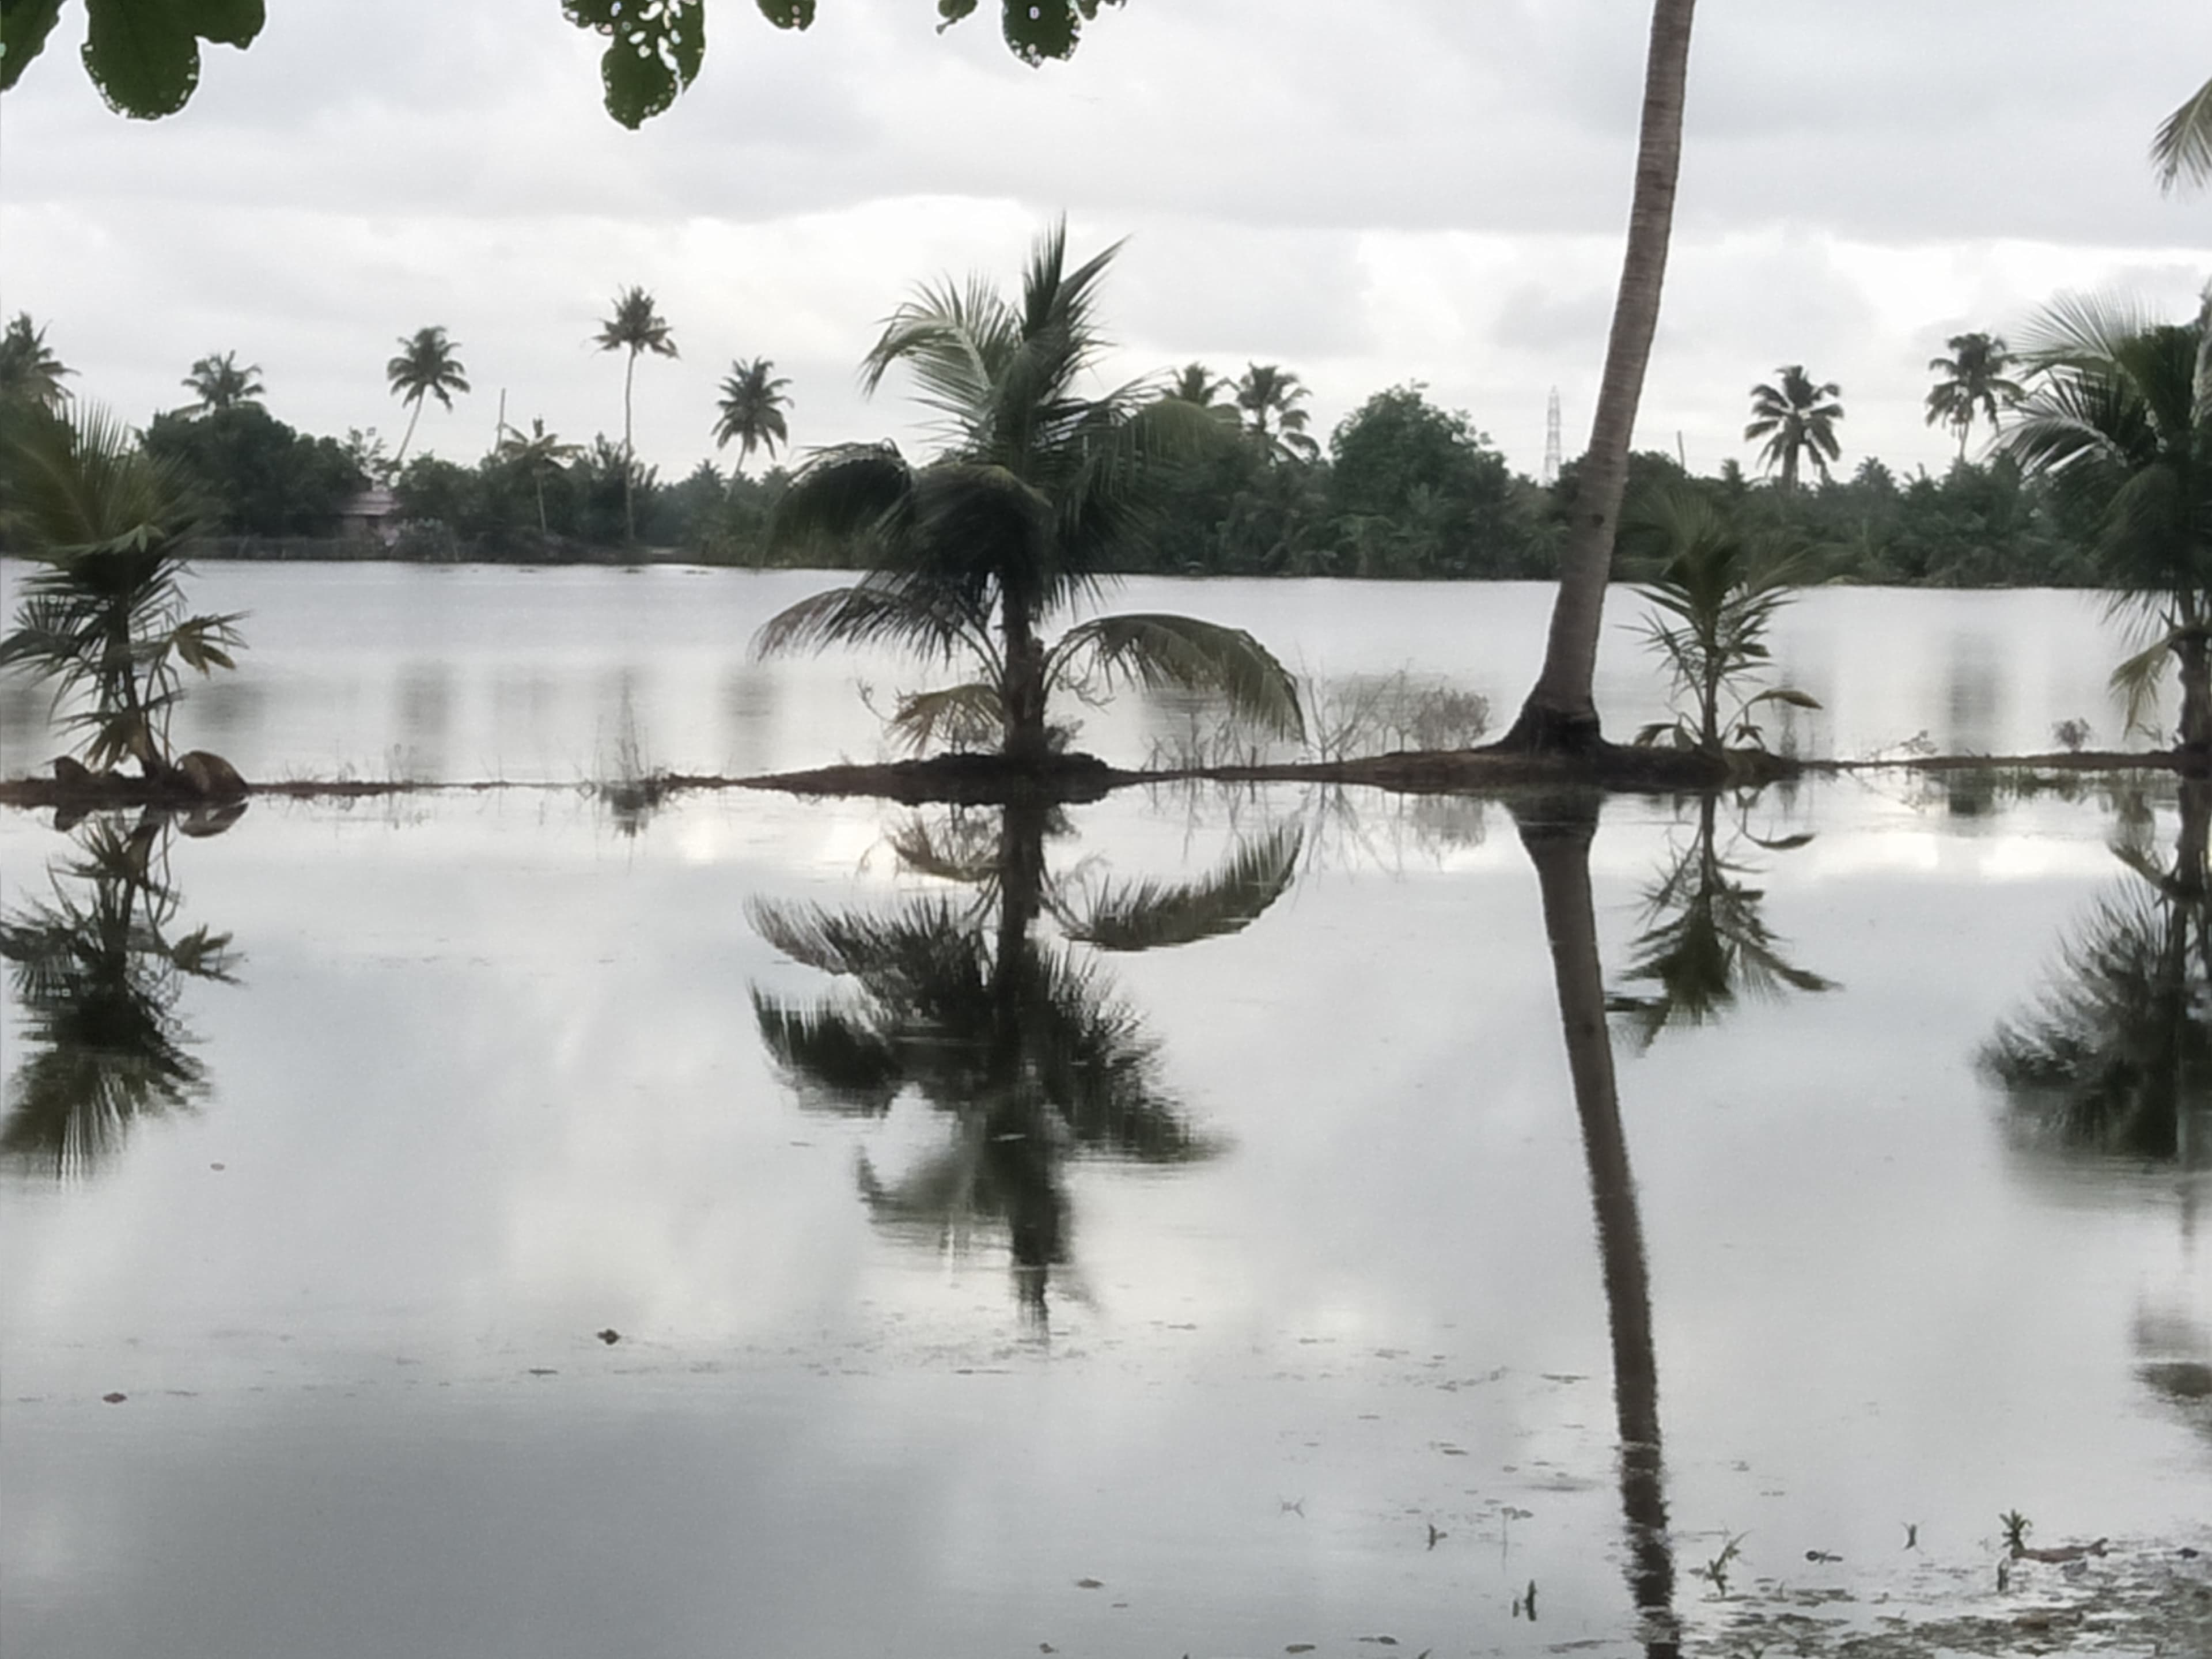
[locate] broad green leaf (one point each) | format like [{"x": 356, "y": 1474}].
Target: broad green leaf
[
  {"x": 227, "y": 22},
  {"x": 788, "y": 14},
  {"x": 143, "y": 56},
  {"x": 654, "y": 52},
  {"x": 24, "y": 26}
]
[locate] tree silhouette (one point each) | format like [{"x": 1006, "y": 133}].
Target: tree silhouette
[
  {"x": 98, "y": 974},
  {"x": 1019, "y": 1042}
]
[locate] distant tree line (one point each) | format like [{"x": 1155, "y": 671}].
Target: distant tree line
[{"x": 1402, "y": 489}]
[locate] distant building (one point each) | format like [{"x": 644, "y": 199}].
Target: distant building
[{"x": 374, "y": 513}]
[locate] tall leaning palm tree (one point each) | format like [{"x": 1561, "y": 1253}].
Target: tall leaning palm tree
[
  {"x": 1797, "y": 419},
  {"x": 636, "y": 325},
  {"x": 1974, "y": 383},
  {"x": 428, "y": 366},
  {"x": 1038, "y": 485},
  {"x": 752, "y": 405},
  {"x": 2120, "y": 419},
  {"x": 219, "y": 382},
  {"x": 1560, "y": 713},
  {"x": 29, "y": 371}
]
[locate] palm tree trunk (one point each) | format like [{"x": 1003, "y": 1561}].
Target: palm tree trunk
[
  {"x": 1557, "y": 836},
  {"x": 630, "y": 455},
  {"x": 1022, "y": 694},
  {"x": 2194, "y": 648},
  {"x": 414, "y": 414},
  {"x": 1561, "y": 712}
]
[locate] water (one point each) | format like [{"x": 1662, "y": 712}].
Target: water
[{"x": 1301, "y": 1335}]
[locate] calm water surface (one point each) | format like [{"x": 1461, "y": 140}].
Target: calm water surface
[{"x": 1167, "y": 1229}]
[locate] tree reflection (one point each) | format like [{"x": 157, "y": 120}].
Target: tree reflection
[
  {"x": 1705, "y": 940},
  {"x": 1022, "y": 1043},
  {"x": 2116, "y": 1054},
  {"x": 1556, "y": 833},
  {"x": 98, "y": 976}
]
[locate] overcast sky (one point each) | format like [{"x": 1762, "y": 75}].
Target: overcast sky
[{"x": 1367, "y": 193}]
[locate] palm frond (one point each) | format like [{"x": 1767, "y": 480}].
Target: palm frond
[
  {"x": 1157, "y": 651},
  {"x": 839, "y": 1060},
  {"x": 876, "y": 612},
  {"x": 1145, "y": 915},
  {"x": 2182, "y": 146},
  {"x": 961, "y": 717}
]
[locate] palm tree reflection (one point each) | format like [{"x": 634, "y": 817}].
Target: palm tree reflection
[
  {"x": 1557, "y": 832},
  {"x": 1020, "y": 1043},
  {"x": 1705, "y": 941},
  {"x": 2116, "y": 1055},
  {"x": 98, "y": 976}
]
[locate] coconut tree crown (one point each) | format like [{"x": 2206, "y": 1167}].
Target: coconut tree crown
[
  {"x": 753, "y": 405},
  {"x": 1796, "y": 418},
  {"x": 1037, "y": 486},
  {"x": 428, "y": 366},
  {"x": 29, "y": 370}
]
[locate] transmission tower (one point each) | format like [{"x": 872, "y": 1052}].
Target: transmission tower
[{"x": 1551, "y": 439}]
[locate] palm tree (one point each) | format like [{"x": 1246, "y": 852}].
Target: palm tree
[
  {"x": 1036, "y": 487},
  {"x": 542, "y": 454},
  {"x": 427, "y": 366},
  {"x": 1560, "y": 712},
  {"x": 98, "y": 974},
  {"x": 753, "y": 405},
  {"x": 2120, "y": 421},
  {"x": 1704, "y": 938},
  {"x": 1974, "y": 383},
  {"x": 2116, "y": 1054},
  {"x": 1715, "y": 596},
  {"x": 106, "y": 615},
  {"x": 1268, "y": 392},
  {"x": 29, "y": 373},
  {"x": 636, "y": 326},
  {"x": 2182, "y": 147},
  {"x": 1797, "y": 419},
  {"x": 1021, "y": 1043},
  {"x": 218, "y": 382}
]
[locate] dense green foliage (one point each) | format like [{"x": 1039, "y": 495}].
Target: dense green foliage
[{"x": 257, "y": 476}]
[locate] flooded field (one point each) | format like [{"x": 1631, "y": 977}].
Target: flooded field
[{"x": 1195, "y": 1222}]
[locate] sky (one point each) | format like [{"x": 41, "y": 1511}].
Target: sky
[{"x": 1429, "y": 191}]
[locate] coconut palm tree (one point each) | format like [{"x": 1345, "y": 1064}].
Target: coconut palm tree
[
  {"x": 1715, "y": 596},
  {"x": 427, "y": 366},
  {"x": 542, "y": 455},
  {"x": 1797, "y": 419},
  {"x": 1021, "y": 1043},
  {"x": 753, "y": 405},
  {"x": 104, "y": 617},
  {"x": 97, "y": 974},
  {"x": 219, "y": 382},
  {"x": 636, "y": 326},
  {"x": 1560, "y": 713},
  {"x": 1704, "y": 938},
  {"x": 2116, "y": 1054},
  {"x": 29, "y": 372},
  {"x": 2182, "y": 147},
  {"x": 1269, "y": 396},
  {"x": 1973, "y": 382},
  {"x": 1036, "y": 486},
  {"x": 2119, "y": 419}
]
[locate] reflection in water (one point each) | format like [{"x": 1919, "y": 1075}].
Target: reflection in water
[
  {"x": 1021, "y": 1043},
  {"x": 98, "y": 976},
  {"x": 1557, "y": 834},
  {"x": 1705, "y": 940},
  {"x": 2116, "y": 1055}
]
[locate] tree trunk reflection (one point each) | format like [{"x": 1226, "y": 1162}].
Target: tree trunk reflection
[{"x": 1557, "y": 834}]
